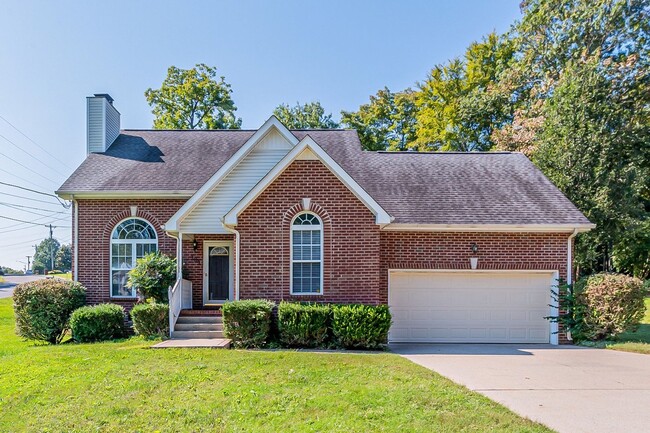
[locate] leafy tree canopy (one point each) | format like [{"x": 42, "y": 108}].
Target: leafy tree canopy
[
  {"x": 387, "y": 122},
  {"x": 193, "y": 99},
  {"x": 308, "y": 116},
  {"x": 47, "y": 249}
]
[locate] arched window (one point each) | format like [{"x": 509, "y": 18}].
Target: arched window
[
  {"x": 306, "y": 255},
  {"x": 132, "y": 239}
]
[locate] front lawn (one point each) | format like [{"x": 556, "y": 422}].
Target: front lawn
[
  {"x": 125, "y": 386},
  {"x": 638, "y": 341}
]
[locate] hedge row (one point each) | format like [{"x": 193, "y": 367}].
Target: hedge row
[{"x": 352, "y": 326}]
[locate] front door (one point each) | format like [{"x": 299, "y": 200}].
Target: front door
[{"x": 218, "y": 275}]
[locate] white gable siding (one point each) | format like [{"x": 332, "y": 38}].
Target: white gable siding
[
  {"x": 206, "y": 216},
  {"x": 112, "y": 123},
  {"x": 95, "y": 126}
]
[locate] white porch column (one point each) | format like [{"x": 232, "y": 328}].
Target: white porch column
[{"x": 179, "y": 256}]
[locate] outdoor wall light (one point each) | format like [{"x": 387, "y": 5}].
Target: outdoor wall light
[
  {"x": 195, "y": 244},
  {"x": 473, "y": 261}
]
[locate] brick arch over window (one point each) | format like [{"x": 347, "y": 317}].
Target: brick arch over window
[
  {"x": 115, "y": 220},
  {"x": 328, "y": 244}
]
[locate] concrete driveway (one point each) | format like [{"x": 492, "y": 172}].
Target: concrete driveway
[{"x": 569, "y": 389}]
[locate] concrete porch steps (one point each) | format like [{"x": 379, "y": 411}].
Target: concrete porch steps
[{"x": 198, "y": 326}]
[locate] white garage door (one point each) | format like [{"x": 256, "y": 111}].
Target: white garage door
[{"x": 470, "y": 307}]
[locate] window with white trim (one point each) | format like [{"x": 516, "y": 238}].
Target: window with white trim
[
  {"x": 306, "y": 255},
  {"x": 131, "y": 240}
]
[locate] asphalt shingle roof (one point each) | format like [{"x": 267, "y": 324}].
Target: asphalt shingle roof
[{"x": 415, "y": 188}]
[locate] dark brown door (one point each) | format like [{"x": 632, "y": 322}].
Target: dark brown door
[{"x": 219, "y": 274}]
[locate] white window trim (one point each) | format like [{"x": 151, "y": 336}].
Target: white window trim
[
  {"x": 291, "y": 260},
  {"x": 133, "y": 243}
]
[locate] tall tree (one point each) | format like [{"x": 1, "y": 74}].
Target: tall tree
[
  {"x": 580, "y": 89},
  {"x": 45, "y": 251},
  {"x": 63, "y": 259},
  {"x": 193, "y": 99},
  {"x": 387, "y": 122},
  {"x": 308, "y": 116},
  {"x": 455, "y": 110}
]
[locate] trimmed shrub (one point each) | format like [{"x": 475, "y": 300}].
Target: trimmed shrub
[
  {"x": 97, "y": 323},
  {"x": 357, "y": 326},
  {"x": 603, "y": 306},
  {"x": 248, "y": 323},
  {"x": 151, "y": 320},
  {"x": 152, "y": 276},
  {"x": 43, "y": 308},
  {"x": 303, "y": 324}
]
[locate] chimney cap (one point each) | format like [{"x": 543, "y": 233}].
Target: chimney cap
[{"x": 105, "y": 96}]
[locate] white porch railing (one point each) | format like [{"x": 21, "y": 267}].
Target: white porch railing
[{"x": 180, "y": 296}]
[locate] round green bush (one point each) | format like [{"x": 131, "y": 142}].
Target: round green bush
[
  {"x": 43, "y": 308},
  {"x": 151, "y": 320},
  {"x": 152, "y": 276},
  {"x": 606, "y": 305},
  {"x": 97, "y": 323}
]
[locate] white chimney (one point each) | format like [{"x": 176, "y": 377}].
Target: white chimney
[{"x": 103, "y": 123}]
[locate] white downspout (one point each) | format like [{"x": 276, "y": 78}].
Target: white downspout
[
  {"x": 237, "y": 254},
  {"x": 569, "y": 267},
  {"x": 75, "y": 205}
]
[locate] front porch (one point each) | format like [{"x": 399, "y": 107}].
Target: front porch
[{"x": 208, "y": 262}]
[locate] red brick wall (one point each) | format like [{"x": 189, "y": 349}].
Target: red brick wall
[
  {"x": 97, "y": 219},
  {"x": 351, "y": 238}
]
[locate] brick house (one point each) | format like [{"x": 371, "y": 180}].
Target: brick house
[{"x": 463, "y": 247}]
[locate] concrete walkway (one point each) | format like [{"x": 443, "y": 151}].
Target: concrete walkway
[
  {"x": 215, "y": 343},
  {"x": 569, "y": 389}
]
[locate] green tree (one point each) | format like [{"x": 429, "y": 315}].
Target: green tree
[
  {"x": 456, "y": 110},
  {"x": 593, "y": 144},
  {"x": 47, "y": 249},
  {"x": 152, "y": 276},
  {"x": 63, "y": 260},
  {"x": 387, "y": 122},
  {"x": 308, "y": 116},
  {"x": 193, "y": 99}
]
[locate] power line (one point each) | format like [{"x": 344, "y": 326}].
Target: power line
[
  {"x": 31, "y": 211},
  {"x": 35, "y": 219},
  {"x": 38, "y": 145},
  {"x": 23, "y": 221},
  {"x": 29, "y": 198},
  {"x": 22, "y": 178},
  {"x": 28, "y": 168},
  {"x": 22, "y": 243},
  {"x": 29, "y": 207},
  {"x": 67, "y": 206}
]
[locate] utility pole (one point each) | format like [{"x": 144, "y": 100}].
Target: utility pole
[
  {"x": 51, "y": 250},
  {"x": 28, "y": 262}
]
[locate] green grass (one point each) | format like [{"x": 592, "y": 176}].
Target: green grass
[
  {"x": 125, "y": 386},
  {"x": 639, "y": 341},
  {"x": 66, "y": 276}
]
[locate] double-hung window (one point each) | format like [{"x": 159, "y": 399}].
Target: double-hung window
[
  {"x": 132, "y": 239},
  {"x": 306, "y": 255}
]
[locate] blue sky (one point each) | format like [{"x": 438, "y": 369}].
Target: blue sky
[{"x": 54, "y": 54}]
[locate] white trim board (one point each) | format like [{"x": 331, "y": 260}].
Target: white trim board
[
  {"x": 541, "y": 228},
  {"x": 311, "y": 150},
  {"x": 174, "y": 222}
]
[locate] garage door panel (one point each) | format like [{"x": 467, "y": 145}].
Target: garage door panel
[{"x": 470, "y": 307}]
